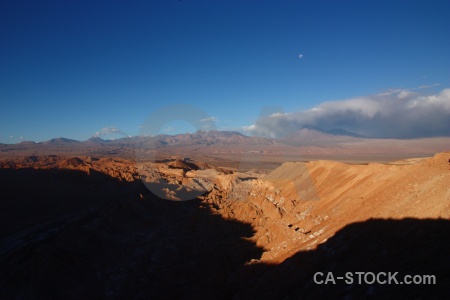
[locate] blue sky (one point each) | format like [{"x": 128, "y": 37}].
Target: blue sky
[{"x": 77, "y": 68}]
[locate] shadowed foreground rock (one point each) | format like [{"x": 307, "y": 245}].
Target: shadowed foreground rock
[
  {"x": 408, "y": 246},
  {"x": 131, "y": 245}
]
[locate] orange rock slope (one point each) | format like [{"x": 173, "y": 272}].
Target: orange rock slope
[{"x": 300, "y": 205}]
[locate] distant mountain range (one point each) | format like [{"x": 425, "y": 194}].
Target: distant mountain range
[
  {"x": 306, "y": 135},
  {"x": 305, "y": 141}
]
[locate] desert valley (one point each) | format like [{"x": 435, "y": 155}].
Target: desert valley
[
  {"x": 221, "y": 215},
  {"x": 192, "y": 149}
]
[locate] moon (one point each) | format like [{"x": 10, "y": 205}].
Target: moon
[{"x": 300, "y": 55}]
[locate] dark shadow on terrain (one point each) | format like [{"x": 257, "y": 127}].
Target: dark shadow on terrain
[
  {"x": 31, "y": 196},
  {"x": 408, "y": 246},
  {"x": 70, "y": 235}
]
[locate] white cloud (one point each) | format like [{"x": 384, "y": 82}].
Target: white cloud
[
  {"x": 404, "y": 94},
  {"x": 249, "y": 128},
  {"x": 277, "y": 114},
  {"x": 168, "y": 129},
  {"x": 428, "y": 86},
  {"x": 392, "y": 114},
  {"x": 210, "y": 119},
  {"x": 300, "y": 55},
  {"x": 365, "y": 107},
  {"x": 109, "y": 130}
]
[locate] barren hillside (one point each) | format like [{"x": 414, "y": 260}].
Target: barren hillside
[{"x": 90, "y": 227}]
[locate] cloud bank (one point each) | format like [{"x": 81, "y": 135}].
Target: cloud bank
[{"x": 393, "y": 114}]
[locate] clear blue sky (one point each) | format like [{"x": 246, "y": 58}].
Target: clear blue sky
[{"x": 71, "y": 68}]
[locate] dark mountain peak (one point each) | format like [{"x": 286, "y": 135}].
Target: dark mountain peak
[
  {"x": 314, "y": 136},
  {"x": 308, "y": 131},
  {"x": 222, "y": 133},
  {"x": 60, "y": 141},
  {"x": 344, "y": 132},
  {"x": 312, "y": 127},
  {"x": 27, "y": 143},
  {"x": 96, "y": 140}
]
